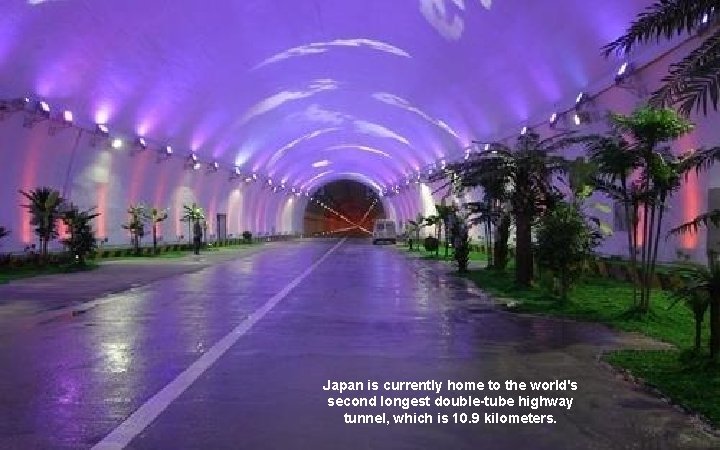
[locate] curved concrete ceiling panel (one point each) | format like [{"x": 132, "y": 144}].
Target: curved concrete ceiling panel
[{"x": 307, "y": 91}]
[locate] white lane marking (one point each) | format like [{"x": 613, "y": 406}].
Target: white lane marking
[{"x": 121, "y": 436}]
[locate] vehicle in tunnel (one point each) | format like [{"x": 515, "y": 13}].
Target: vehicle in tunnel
[{"x": 384, "y": 231}]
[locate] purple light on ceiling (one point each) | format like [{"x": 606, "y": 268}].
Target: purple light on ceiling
[{"x": 446, "y": 77}]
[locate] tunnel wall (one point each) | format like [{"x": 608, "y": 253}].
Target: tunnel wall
[
  {"x": 690, "y": 201},
  {"x": 92, "y": 174}
]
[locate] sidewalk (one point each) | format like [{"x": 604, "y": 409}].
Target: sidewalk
[{"x": 58, "y": 293}]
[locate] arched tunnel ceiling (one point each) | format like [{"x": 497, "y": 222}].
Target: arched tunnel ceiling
[{"x": 308, "y": 91}]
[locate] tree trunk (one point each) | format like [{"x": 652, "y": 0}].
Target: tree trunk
[
  {"x": 501, "y": 243},
  {"x": 523, "y": 251},
  {"x": 155, "y": 238},
  {"x": 698, "y": 331},
  {"x": 438, "y": 233}
]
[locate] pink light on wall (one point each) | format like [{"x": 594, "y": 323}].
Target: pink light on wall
[
  {"x": 29, "y": 177},
  {"x": 690, "y": 208},
  {"x": 102, "y": 208},
  {"x": 690, "y": 196}
]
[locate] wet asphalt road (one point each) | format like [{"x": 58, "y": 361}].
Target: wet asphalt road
[{"x": 364, "y": 313}]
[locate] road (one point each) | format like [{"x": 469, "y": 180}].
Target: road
[{"x": 236, "y": 355}]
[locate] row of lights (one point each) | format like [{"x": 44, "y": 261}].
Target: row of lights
[
  {"x": 578, "y": 115},
  {"x": 41, "y": 110}
]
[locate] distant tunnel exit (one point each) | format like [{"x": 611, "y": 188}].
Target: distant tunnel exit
[{"x": 343, "y": 208}]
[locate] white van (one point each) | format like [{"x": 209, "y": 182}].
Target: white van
[{"x": 384, "y": 231}]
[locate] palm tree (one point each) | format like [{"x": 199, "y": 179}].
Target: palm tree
[
  {"x": 694, "y": 81},
  {"x": 192, "y": 214},
  {"x": 639, "y": 171},
  {"x": 616, "y": 162},
  {"x": 444, "y": 213},
  {"x": 435, "y": 221},
  {"x": 44, "y": 206},
  {"x": 155, "y": 216},
  {"x": 136, "y": 225},
  {"x": 487, "y": 172},
  {"x": 415, "y": 227},
  {"x": 703, "y": 283},
  {"x": 82, "y": 238},
  {"x": 527, "y": 172}
]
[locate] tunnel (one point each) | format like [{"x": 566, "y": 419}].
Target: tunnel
[
  {"x": 195, "y": 192},
  {"x": 344, "y": 209}
]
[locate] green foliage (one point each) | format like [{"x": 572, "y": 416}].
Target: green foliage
[
  {"x": 639, "y": 173},
  {"x": 565, "y": 243},
  {"x": 415, "y": 227},
  {"x": 44, "y": 207},
  {"x": 136, "y": 225},
  {"x": 431, "y": 244},
  {"x": 650, "y": 126},
  {"x": 461, "y": 244},
  {"x": 521, "y": 176},
  {"x": 693, "y": 294},
  {"x": 445, "y": 213},
  {"x": 192, "y": 213},
  {"x": 81, "y": 241},
  {"x": 693, "y": 82},
  {"x": 688, "y": 379},
  {"x": 154, "y": 216},
  {"x": 247, "y": 236},
  {"x": 694, "y": 225}
]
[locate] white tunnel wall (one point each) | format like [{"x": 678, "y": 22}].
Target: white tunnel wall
[
  {"x": 689, "y": 202},
  {"x": 95, "y": 175}
]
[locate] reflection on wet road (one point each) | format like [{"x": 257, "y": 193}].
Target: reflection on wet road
[{"x": 366, "y": 312}]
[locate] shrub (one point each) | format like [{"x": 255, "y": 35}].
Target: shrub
[
  {"x": 431, "y": 244},
  {"x": 247, "y": 236},
  {"x": 81, "y": 241},
  {"x": 565, "y": 242}
]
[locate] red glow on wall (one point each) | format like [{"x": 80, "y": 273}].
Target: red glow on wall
[
  {"x": 690, "y": 195},
  {"x": 29, "y": 176},
  {"x": 101, "y": 221},
  {"x": 690, "y": 209}
]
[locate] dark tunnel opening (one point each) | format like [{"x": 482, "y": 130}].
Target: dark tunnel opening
[{"x": 343, "y": 208}]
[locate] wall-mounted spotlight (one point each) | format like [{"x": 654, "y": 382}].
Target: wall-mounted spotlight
[
  {"x": 117, "y": 143},
  {"x": 581, "y": 98},
  {"x": 213, "y": 167},
  {"x": 38, "y": 114},
  {"x": 192, "y": 162},
  {"x": 141, "y": 143},
  {"x": 554, "y": 117},
  {"x": 524, "y": 131},
  {"x": 65, "y": 120},
  {"x": 235, "y": 173},
  {"x": 628, "y": 78},
  {"x": 580, "y": 118},
  {"x": 43, "y": 109},
  {"x": 102, "y": 132},
  {"x": 102, "y": 129},
  {"x": 165, "y": 153}
]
